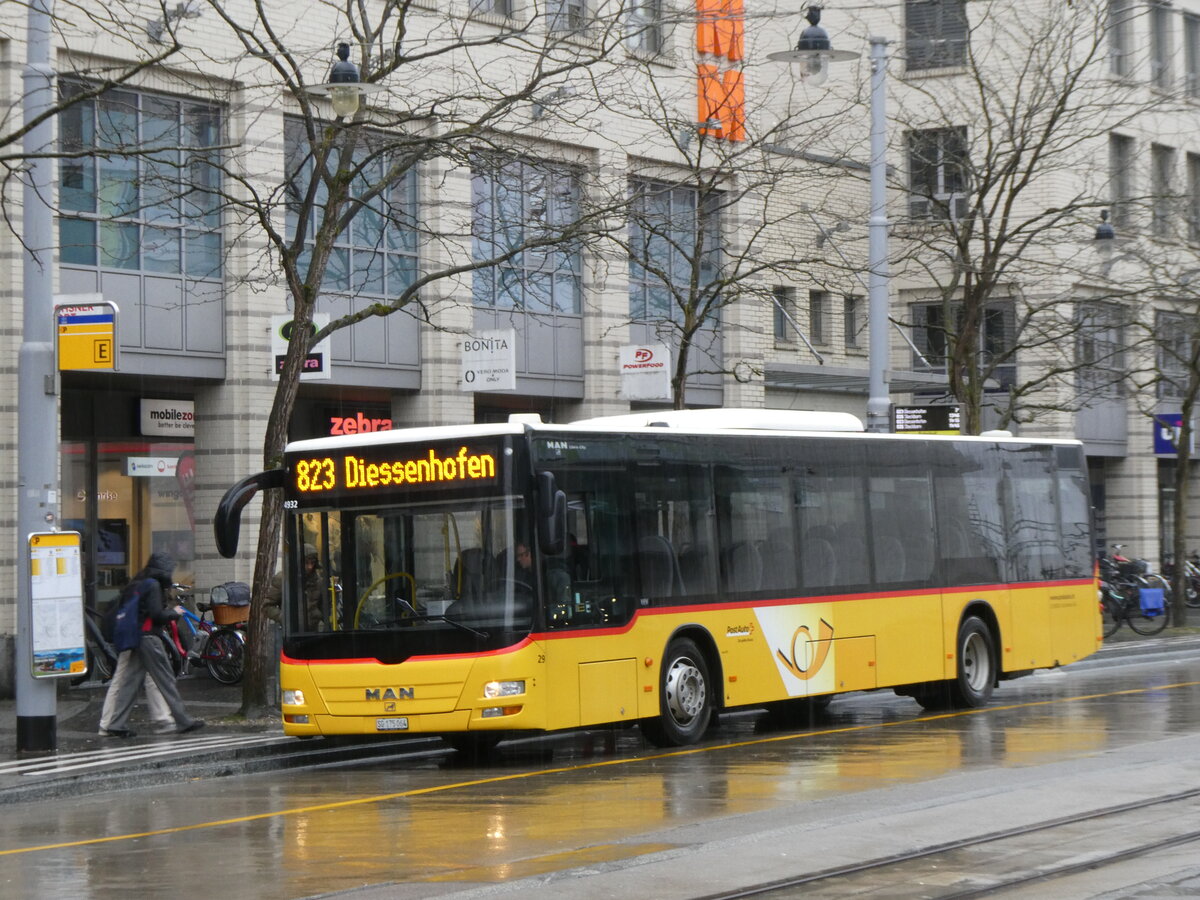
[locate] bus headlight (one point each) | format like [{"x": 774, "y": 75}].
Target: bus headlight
[
  {"x": 293, "y": 698},
  {"x": 503, "y": 689}
]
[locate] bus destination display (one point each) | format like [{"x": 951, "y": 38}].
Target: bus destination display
[{"x": 362, "y": 469}]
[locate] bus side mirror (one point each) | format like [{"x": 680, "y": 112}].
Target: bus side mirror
[
  {"x": 227, "y": 523},
  {"x": 552, "y": 515}
]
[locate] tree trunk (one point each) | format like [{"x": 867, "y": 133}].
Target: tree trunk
[{"x": 260, "y": 655}]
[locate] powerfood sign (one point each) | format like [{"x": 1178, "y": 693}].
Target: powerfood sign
[{"x": 645, "y": 372}]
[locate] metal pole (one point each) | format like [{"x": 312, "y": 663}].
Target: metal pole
[
  {"x": 37, "y": 401},
  {"x": 879, "y": 405}
]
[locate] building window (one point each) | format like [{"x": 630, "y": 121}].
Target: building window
[
  {"x": 644, "y": 26},
  {"x": 1160, "y": 45},
  {"x": 852, "y": 320},
  {"x": 376, "y": 256},
  {"x": 935, "y": 33},
  {"x": 933, "y": 336},
  {"x": 514, "y": 202},
  {"x": 1120, "y": 37},
  {"x": 1193, "y": 197},
  {"x": 1173, "y": 346},
  {"x": 1120, "y": 176},
  {"x": 157, "y": 210},
  {"x": 1191, "y": 54},
  {"x": 818, "y": 317},
  {"x": 937, "y": 167},
  {"x": 784, "y": 306},
  {"x": 1101, "y": 349},
  {"x": 1162, "y": 186},
  {"x": 673, "y": 233},
  {"x": 492, "y": 7},
  {"x": 567, "y": 15}
]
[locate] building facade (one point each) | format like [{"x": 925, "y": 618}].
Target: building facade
[{"x": 728, "y": 205}]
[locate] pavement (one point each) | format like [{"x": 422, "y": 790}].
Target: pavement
[{"x": 86, "y": 762}]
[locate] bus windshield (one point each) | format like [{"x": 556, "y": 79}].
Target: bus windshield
[{"x": 432, "y": 577}]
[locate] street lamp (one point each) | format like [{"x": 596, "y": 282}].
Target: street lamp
[
  {"x": 344, "y": 89},
  {"x": 814, "y": 52}
]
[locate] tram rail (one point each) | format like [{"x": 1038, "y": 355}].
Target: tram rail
[{"x": 826, "y": 881}]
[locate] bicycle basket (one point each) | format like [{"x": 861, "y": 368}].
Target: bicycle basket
[
  {"x": 1152, "y": 601},
  {"x": 1133, "y": 567},
  {"x": 230, "y": 602}
]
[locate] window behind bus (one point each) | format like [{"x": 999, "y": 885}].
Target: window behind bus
[
  {"x": 972, "y": 543},
  {"x": 1035, "y": 553}
]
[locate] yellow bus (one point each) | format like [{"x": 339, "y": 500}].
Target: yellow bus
[{"x": 483, "y": 581}]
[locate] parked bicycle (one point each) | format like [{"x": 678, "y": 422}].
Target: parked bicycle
[
  {"x": 1131, "y": 593},
  {"x": 220, "y": 646},
  {"x": 102, "y": 656},
  {"x": 1191, "y": 569}
]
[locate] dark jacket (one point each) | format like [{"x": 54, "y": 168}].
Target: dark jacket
[{"x": 157, "y": 577}]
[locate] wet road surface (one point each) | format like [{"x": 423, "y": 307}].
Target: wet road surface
[{"x": 601, "y": 814}]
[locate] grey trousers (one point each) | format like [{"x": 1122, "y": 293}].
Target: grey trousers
[
  {"x": 160, "y": 713},
  {"x": 150, "y": 658}
]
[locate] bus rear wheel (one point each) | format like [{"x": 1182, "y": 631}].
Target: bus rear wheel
[
  {"x": 977, "y": 668},
  {"x": 684, "y": 699}
]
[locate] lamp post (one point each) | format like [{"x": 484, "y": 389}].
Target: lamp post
[
  {"x": 37, "y": 400},
  {"x": 814, "y": 52}
]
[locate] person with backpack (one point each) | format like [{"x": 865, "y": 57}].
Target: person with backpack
[{"x": 141, "y": 654}]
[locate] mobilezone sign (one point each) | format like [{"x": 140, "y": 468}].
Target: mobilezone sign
[{"x": 173, "y": 418}]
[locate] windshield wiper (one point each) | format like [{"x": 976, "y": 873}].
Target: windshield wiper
[{"x": 415, "y": 616}]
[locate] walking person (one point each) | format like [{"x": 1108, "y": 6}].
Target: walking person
[
  {"x": 150, "y": 657},
  {"x": 160, "y": 713}
]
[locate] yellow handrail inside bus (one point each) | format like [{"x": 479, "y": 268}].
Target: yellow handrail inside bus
[{"x": 412, "y": 584}]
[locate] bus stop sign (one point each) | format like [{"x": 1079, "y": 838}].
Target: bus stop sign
[{"x": 86, "y": 336}]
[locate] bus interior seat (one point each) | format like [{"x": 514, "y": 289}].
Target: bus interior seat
[
  {"x": 743, "y": 568},
  {"x": 778, "y": 560},
  {"x": 890, "y": 562},
  {"x": 660, "y": 567},
  {"x": 919, "y": 553},
  {"x": 819, "y": 561},
  {"x": 467, "y": 578},
  {"x": 851, "y": 551}
]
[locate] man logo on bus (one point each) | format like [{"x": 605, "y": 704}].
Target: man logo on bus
[
  {"x": 802, "y": 637},
  {"x": 404, "y": 693},
  {"x": 643, "y": 355}
]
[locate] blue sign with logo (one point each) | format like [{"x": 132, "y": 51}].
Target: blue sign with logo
[{"x": 1166, "y": 434}]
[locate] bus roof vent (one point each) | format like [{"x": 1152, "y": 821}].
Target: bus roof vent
[
  {"x": 996, "y": 433},
  {"x": 732, "y": 420},
  {"x": 525, "y": 419}
]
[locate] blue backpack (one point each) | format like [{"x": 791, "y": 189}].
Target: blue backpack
[{"x": 126, "y": 627}]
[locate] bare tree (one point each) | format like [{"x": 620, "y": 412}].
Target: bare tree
[
  {"x": 459, "y": 92},
  {"x": 717, "y": 224},
  {"x": 1165, "y": 361},
  {"x": 106, "y": 46},
  {"x": 1000, "y": 174}
]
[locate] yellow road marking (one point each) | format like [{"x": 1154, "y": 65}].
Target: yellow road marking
[{"x": 596, "y": 764}]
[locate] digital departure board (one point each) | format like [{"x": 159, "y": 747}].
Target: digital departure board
[{"x": 360, "y": 470}]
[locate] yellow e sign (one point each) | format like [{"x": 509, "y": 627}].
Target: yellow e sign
[{"x": 87, "y": 336}]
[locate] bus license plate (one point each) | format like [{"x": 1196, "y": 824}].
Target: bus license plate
[{"x": 400, "y": 724}]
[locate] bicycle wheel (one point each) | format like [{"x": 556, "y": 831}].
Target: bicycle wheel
[
  {"x": 1192, "y": 594},
  {"x": 1140, "y": 621},
  {"x": 1110, "y": 614},
  {"x": 225, "y": 656}
]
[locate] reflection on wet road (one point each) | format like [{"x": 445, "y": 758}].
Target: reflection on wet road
[{"x": 554, "y": 804}]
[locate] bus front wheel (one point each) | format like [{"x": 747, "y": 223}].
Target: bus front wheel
[{"x": 685, "y": 703}]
